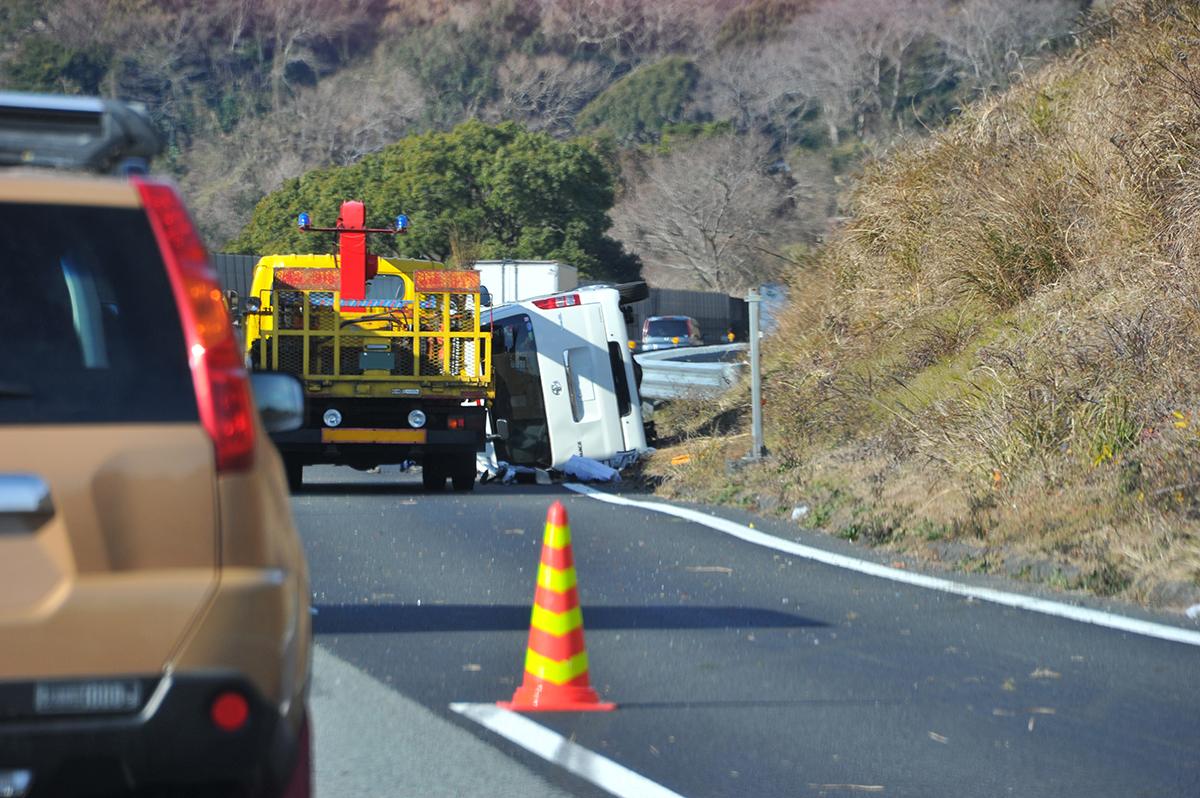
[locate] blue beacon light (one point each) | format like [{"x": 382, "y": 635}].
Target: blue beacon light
[
  {"x": 305, "y": 221},
  {"x": 402, "y": 222}
]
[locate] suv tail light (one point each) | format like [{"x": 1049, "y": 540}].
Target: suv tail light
[
  {"x": 550, "y": 303},
  {"x": 230, "y": 711},
  {"x": 222, "y": 387}
]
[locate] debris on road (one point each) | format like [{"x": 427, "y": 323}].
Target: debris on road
[
  {"x": 848, "y": 787},
  {"x": 588, "y": 470}
]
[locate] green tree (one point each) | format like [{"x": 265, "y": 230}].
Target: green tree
[
  {"x": 485, "y": 190},
  {"x": 637, "y": 106},
  {"x": 457, "y": 63},
  {"x": 43, "y": 64}
]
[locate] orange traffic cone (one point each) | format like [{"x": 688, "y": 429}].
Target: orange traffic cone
[{"x": 556, "y": 661}]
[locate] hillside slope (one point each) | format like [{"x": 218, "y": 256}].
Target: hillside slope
[{"x": 994, "y": 362}]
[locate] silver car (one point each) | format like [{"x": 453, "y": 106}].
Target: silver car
[{"x": 668, "y": 332}]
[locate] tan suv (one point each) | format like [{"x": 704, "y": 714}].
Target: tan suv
[{"x": 154, "y": 607}]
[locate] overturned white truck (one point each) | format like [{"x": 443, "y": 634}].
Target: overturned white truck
[{"x": 565, "y": 379}]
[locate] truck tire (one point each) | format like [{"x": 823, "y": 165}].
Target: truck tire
[
  {"x": 463, "y": 476},
  {"x": 433, "y": 475}
]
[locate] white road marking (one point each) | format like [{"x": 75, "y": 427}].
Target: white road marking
[
  {"x": 369, "y": 741},
  {"x": 1081, "y": 614},
  {"x": 553, "y": 747}
]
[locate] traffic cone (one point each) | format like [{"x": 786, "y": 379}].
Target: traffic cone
[{"x": 556, "y": 661}]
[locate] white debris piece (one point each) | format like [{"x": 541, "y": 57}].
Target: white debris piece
[
  {"x": 487, "y": 466},
  {"x": 588, "y": 470},
  {"x": 799, "y": 512},
  {"x": 1193, "y": 611}
]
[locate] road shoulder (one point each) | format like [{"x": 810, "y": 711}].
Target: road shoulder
[{"x": 372, "y": 742}]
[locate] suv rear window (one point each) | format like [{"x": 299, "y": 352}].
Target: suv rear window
[
  {"x": 89, "y": 332},
  {"x": 667, "y": 328}
]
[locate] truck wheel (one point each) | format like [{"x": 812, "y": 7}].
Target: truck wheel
[
  {"x": 295, "y": 474},
  {"x": 463, "y": 476},
  {"x": 433, "y": 475}
]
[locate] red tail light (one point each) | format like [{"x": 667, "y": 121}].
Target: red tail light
[
  {"x": 550, "y": 303},
  {"x": 458, "y": 422},
  {"x": 229, "y": 711},
  {"x": 222, "y": 387}
]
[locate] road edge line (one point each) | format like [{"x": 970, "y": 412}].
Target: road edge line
[
  {"x": 558, "y": 750},
  {"x": 1057, "y": 609}
]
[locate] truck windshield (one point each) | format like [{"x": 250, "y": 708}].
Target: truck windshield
[{"x": 385, "y": 286}]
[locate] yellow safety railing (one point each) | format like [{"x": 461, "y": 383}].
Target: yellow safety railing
[{"x": 435, "y": 338}]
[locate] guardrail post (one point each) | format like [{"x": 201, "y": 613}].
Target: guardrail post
[{"x": 753, "y": 300}]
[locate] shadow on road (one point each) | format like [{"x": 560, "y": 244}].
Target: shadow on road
[
  {"x": 773, "y": 703},
  {"x": 376, "y": 618},
  {"x": 401, "y": 488}
]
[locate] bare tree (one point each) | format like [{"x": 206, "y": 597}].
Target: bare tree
[
  {"x": 704, "y": 216},
  {"x": 633, "y": 27},
  {"x": 343, "y": 118},
  {"x": 854, "y": 54},
  {"x": 546, "y": 92},
  {"x": 847, "y": 57},
  {"x": 987, "y": 41},
  {"x": 298, "y": 27},
  {"x": 755, "y": 86}
]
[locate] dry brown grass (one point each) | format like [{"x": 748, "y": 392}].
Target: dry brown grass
[{"x": 1001, "y": 345}]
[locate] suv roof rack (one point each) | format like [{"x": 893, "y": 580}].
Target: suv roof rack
[{"x": 88, "y": 133}]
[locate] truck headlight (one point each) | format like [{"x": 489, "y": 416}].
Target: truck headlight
[
  {"x": 416, "y": 419},
  {"x": 332, "y": 417}
]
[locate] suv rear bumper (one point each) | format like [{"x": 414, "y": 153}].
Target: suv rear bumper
[{"x": 170, "y": 741}]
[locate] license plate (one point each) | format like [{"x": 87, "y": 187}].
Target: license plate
[
  {"x": 349, "y": 435},
  {"x": 86, "y": 697}
]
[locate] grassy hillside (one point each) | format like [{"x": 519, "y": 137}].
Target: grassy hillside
[
  {"x": 252, "y": 94},
  {"x": 994, "y": 363}
]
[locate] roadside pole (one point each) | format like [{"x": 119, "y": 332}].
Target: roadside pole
[{"x": 753, "y": 300}]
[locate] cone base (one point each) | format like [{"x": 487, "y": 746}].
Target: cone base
[{"x": 544, "y": 697}]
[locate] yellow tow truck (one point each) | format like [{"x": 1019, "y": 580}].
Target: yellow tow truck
[{"x": 395, "y": 366}]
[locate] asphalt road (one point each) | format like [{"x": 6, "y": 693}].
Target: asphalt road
[{"x": 738, "y": 670}]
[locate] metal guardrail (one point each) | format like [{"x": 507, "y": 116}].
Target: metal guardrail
[{"x": 698, "y": 372}]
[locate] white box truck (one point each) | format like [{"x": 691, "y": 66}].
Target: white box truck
[{"x": 516, "y": 280}]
